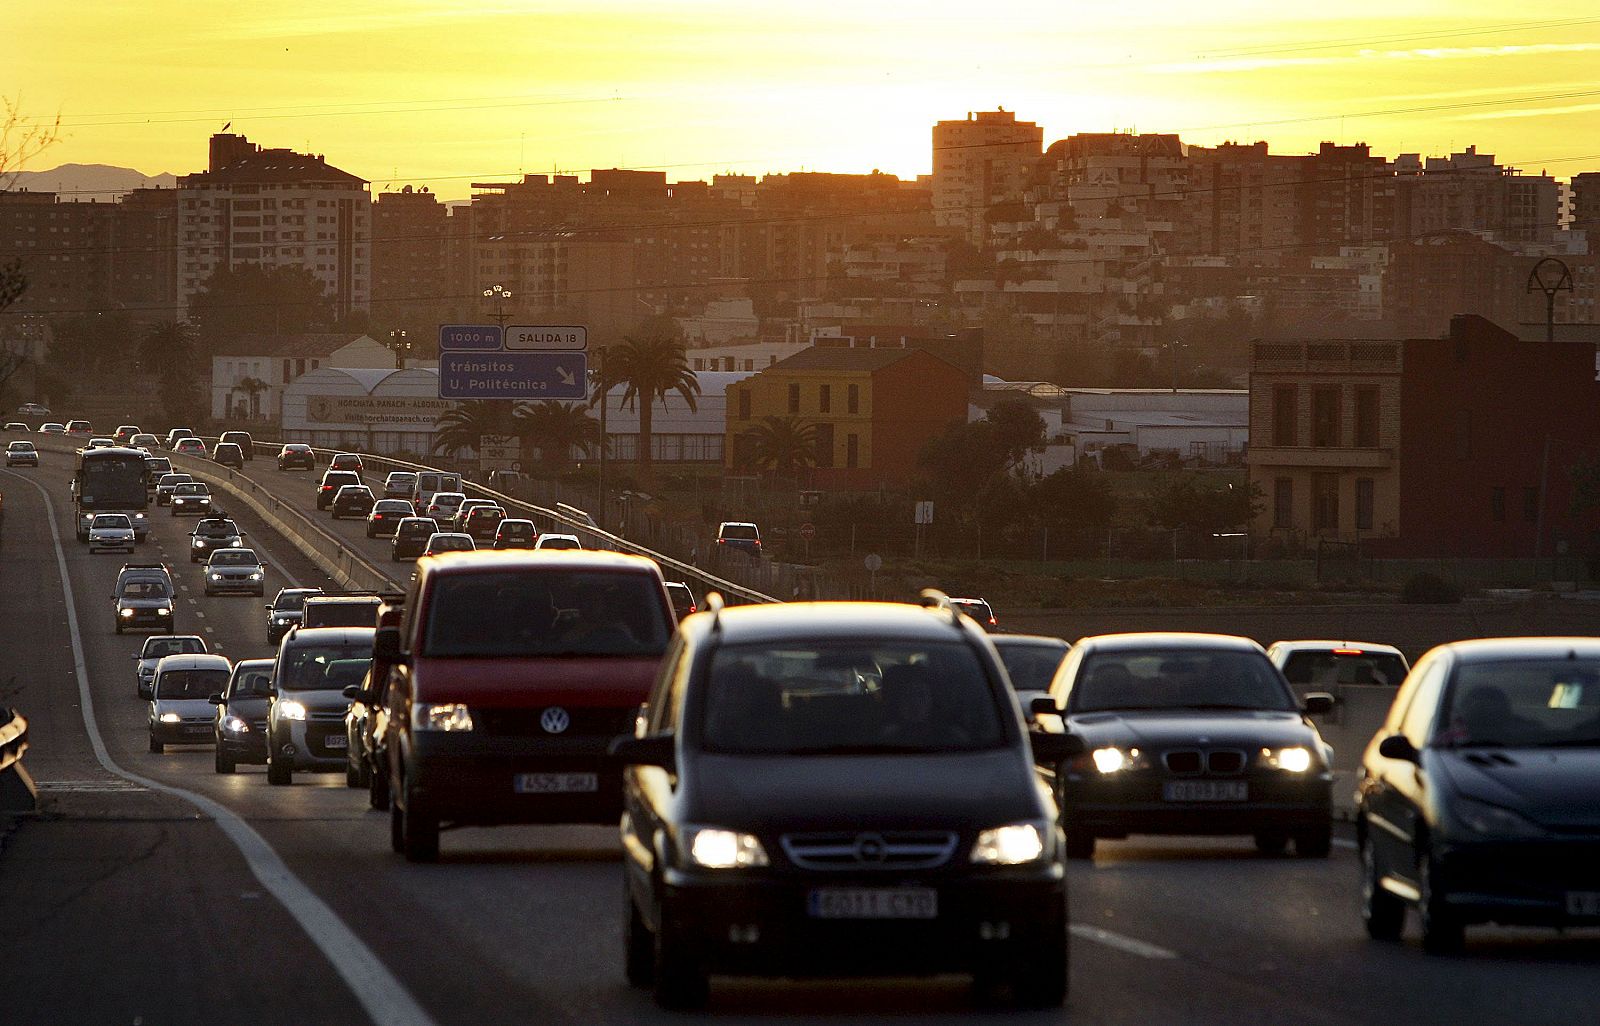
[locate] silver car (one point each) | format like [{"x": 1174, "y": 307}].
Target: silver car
[
  {"x": 180, "y": 699},
  {"x": 305, "y": 723},
  {"x": 157, "y": 648},
  {"x": 111, "y": 531},
  {"x": 21, "y": 453},
  {"x": 237, "y": 570}
]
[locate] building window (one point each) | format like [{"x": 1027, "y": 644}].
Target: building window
[
  {"x": 1364, "y": 493},
  {"x": 1530, "y": 504},
  {"x": 744, "y": 404},
  {"x": 794, "y": 398},
  {"x": 1497, "y": 504},
  {"x": 852, "y": 451},
  {"x": 1325, "y": 502},
  {"x": 825, "y": 398},
  {"x": 1283, "y": 502},
  {"x": 824, "y": 438},
  {"x": 1325, "y": 416},
  {"x": 1367, "y": 417},
  {"x": 852, "y": 399},
  {"x": 1285, "y": 414}
]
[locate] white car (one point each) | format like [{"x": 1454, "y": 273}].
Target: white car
[
  {"x": 1322, "y": 665},
  {"x": 33, "y": 410},
  {"x": 190, "y": 446},
  {"x": 558, "y": 541},
  {"x": 180, "y": 699},
  {"x": 111, "y": 531},
  {"x": 21, "y": 453}
]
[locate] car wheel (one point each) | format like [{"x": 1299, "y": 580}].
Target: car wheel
[
  {"x": 638, "y": 944},
  {"x": 1080, "y": 845},
  {"x": 1041, "y": 981},
  {"x": 1383, "y": 913},
  {"x": 397, "y": 836},
  {"x": 1443, "y": 932},
  {"x": 1271, "y": 843},
  {"x": 419, "y": 834},
  {"x": 119, "y": 628},
  {"x": 224, "y": 762},
  {"x": 680, "y": 980},
  {"x": 1315, "y": 843},
  {"x": 352, "y": 775},
  {"x": 156, "y": 747},
  {"x": 278, "y": 774},
  {"x": 378, "y": 791}
]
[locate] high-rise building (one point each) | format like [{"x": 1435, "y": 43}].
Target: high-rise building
[
  {"x": 977, "y": 163},
  {"x": 410, "y": 256},
  {"x": 275, "y": 208},
  {"x": 1468, "y": 191}
]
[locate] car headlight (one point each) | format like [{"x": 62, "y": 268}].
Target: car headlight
[
  {"x": 1114, "y": 760},
  {"x": 452, "y": 716},
  {"x": 1295, "y": 759},
  {"x": 289, "y": 709},
  {"x": 164, "y": 611},
  {"x": 125, "y": 613},
  {"x": 138, "y": 516},
  {"x": 1012, "y": 845},
  {"x": 170, "y": 718},
  {"x": 279, "y": 621},
  {"x": 199, "y": 544},
  {"x": 256, "y": 576},
  {"x": 1493, "y": 821},
  {"x": 713, "y": 848},
  {"x": 234, "y": 725}
]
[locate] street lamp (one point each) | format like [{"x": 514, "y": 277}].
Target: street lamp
[
  {"x": 1174, "y": 346},
  {"x": 400, "y": 346},
  {"x": 499, "y": 295},
  {"x": 1550, "y": 276}
]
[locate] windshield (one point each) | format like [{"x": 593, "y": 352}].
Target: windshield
[
  {"x": 191, "y": 683},
  {"x": 191, "y": 488},
  {"x": 112, "y": 520},
  {"x": 243, "y": 557},
  {"x": 252, "y": 683},
  {"x": 156, "y": 648},
  {"x": 307, "y": 667},
  {"x": 217, "y": 528},
  {"x": 1322, "y": 670},
  {"x": 174, "y": 479},
  {"x": 1524, "y": 703},
  {"x": 1178, "y": 678},
  {"x": 1031, "y": 667},
  {"x": 115, "y": 479},
  {"x": 546, "y": 613},
  {"x": 846, "y": 698},
  {"x": 144, "y": 590}
]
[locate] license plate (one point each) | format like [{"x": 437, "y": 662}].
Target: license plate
[
  {"x": 556, "y": 783},
  {"x": 202, "y": 729},
  {"x": 1205, "y": 791},
  {"x": 336, "y": 741},
  {"x": 1583, "y": 903},
  {"x": 873, "y": 903}
]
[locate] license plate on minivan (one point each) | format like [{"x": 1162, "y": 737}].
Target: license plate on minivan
[
  {"x": 556, "y": 783},
  {"x": 873, "y": 903}
]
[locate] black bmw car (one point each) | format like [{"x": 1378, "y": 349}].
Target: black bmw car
[
  {"x": 1479, "y": 798},
  {"x": 1188, "y": 734}
]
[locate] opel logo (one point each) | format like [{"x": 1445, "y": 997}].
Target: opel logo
[
  {"x": 555, "y": 720},
  {"x": 871, "y": 848}
]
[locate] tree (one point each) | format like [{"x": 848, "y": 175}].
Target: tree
[
  {"x": 252, "y": 299},
  {"x": 1184, "y": 503},
  {"x": 783, "y": 445},
  {"x": 650, "y": 363},
  {"x": 463, "y": 426},
  {"x": 554, "y": 429},
  {"x": 167, "y": 350},
  {"x": 1015, "y": 430},
  {"x": 251, "y": 387},
  {"x": 21, "y": 140},
  {"x": 1073, "y": 500}
]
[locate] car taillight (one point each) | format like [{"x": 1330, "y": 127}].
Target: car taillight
[
  {"x": 722, "y": 541},
  {"x": 693, "y": 607}
]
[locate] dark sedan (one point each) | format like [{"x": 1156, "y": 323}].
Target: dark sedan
[
  {"x": 1479, "y": 798},
  {"x": 241, "y": 727},
  {"x": 296, "y": 456},
  {"x": 211, "y": 534},
  {"x": 386, "y": 515},
  {"x": 332, "y": 481},
  {"x": 1188, "y": 734},
  {"x": 352, "y": 500},
  {"x": 411, "y": 537}
]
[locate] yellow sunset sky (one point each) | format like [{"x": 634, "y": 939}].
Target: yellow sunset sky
[{"x": 444, "y": 94}]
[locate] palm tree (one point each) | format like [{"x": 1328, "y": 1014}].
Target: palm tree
[
  {"x": 783, "y": 445},
  {"x": 650, "y": 366},
  {"x": 463, "y": 426},
  {"x": 554, "y": 428},
  {"x": 251, "y": 387},
  {"x": 167, "y": 349}
]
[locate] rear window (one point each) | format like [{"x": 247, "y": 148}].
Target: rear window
[
  {"x": 306, "y": 667},
  {"x": 1032, "y": 667},
  {"x": 156, "y": 648},
  {"x": 547, "y": 613},
  {"x": 190, "y": 683},
  {"x": 740, "y": 532},
  {"x": 1325, "y": 669},
  {"x": 341, "y": 614},
  {"x": 849, "y": 698},
  {"x": 145, "y": 590}
]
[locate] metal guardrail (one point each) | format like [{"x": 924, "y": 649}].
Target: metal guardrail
[
  {"x": 593, "y": 536},
  {"x": 17, "y": 793}
]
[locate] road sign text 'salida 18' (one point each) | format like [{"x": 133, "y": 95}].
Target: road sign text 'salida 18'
[{"x": 474, "y": 362}]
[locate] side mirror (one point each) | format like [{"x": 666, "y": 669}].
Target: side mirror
[
  {"x": 386, "y": 646},
  {"x": 1044, "y": 705},
  {"x": 655, "y": 750},
  {"x": 272, "y": 692},
  {"x": 267, "y": 606},
  {"x": 1398, "y": 746},
  {"x": 1317, "y": 703},
  {"x": 357, "y": 693},
  {"x": 216, "y": 700},
  {"x": 1052, "y": 749}
]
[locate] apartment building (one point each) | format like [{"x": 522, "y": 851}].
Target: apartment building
[
  {"x": 983, "y": 160},
  {"x": 275, "y": 208}
]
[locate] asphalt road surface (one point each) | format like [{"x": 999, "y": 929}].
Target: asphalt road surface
[{"x": 227, "y": 901}]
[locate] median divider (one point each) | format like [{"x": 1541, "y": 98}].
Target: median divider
[{"x": 17, "y": 792}]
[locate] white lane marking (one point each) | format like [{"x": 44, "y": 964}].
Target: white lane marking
[
  {"x": 383, "y": 997},
  {"x": 208, "y": 630},
  {"x": 89, "y": 786},
  {"x": 200, "y": 616},
  {"x": 1340, "y": 842},
  {"x": 1127, "y": 945}
]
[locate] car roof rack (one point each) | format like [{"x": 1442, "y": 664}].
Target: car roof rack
[{"x": 933, "y": 598}]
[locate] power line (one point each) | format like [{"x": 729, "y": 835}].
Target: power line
[{"x": 1334, "y": 44}]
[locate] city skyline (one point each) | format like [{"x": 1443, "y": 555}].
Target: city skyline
[{"x": 405, "y": 93}]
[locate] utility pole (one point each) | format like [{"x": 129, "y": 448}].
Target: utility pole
[
  {"x": 1550, "y": 276},
  {"x": 601, "y": 389}
]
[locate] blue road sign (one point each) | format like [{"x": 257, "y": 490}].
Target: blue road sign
[
  {"x": 513, "y": 376},
  {"x": 469, "y": 338}
]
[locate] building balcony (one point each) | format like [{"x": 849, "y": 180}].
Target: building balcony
[{"x": 1318, "y": 457}]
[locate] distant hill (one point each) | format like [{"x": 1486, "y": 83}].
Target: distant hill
[{"x": 90, "y": 181}]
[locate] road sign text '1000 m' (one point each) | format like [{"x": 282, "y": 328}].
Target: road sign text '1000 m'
[
  {"x": 481, "y": 338},
  {"x": 547, "y": 337},
  {"x": 513, "y": 375}
]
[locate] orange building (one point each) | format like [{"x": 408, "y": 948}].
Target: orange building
[{"x": 873, "y": 409}]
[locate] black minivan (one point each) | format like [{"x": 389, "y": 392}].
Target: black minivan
[{"x": 840, "y": 789}]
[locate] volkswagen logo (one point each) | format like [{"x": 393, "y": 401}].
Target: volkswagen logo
[
  {"x": 555, "y": 720},
  {"x": 871, "y": 848}
]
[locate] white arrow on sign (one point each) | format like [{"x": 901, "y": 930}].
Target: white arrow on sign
[{"x": 566, "y": 376}]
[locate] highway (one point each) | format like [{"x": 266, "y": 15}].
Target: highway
[{"x": 151, "y": 890}]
